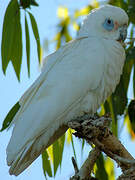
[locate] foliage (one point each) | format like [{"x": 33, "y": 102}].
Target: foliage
[
  {"x": 100, "y": 172},
  {"x": 117, "y": 104},
  {"x": 11, "y": 45},
  {"x": 10, "y": 116}
]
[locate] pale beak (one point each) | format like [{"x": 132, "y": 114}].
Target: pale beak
[{"x": 122, "y": 33}]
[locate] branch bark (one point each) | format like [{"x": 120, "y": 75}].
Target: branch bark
[
  {"x": 95, "y": 130},
  {"x": 87, "y": 166}
]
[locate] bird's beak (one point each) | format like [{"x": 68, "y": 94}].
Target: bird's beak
[{"x": 122, "y": 33}]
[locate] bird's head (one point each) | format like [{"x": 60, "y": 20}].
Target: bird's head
[{"x": 108, "y": 21}]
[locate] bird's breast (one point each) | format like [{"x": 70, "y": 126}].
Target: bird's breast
[{"x": 113, "y": 64}]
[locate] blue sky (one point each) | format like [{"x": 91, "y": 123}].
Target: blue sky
[{"x": 11, "y": 90}]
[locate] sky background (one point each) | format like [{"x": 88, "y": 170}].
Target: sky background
[{"x": 11, "y": 90}]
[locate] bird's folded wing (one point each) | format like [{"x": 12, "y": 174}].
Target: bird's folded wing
[
  {"x": 48, "y": 63},
  {"x": 74, "y": 70}
]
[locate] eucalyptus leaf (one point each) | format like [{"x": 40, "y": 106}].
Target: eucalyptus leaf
[
  {"x": 61, "y": 149},
  {"x": 28, "y": 3},
  {"x": 11, "y": 46},
  {"x": 73, "y": 147},
  {"x": 101, "y": 173},
  {"x": 10, "y": 116},
  {"x": 56, "y": 156},
  {"x": 46, "y": 164},
  {"x": 36, "y": 35},
  {"x": 134, "y": 80},
  {"x": 34, "y": 3},
  {"x": 131, "y": 113},
  {"x": 58, "y": 148},
  {"x": 27, "y": 45},
  {"x": 131, "y": 11}
]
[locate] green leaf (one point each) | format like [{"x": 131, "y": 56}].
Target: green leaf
[
  {"x": 109, "y": 109},
  {"x": 131, "y": 11},
  {"x": 134, "y": 80},
  {"x": 120, "y": 3},
  {"x": 11, "y": 46},
  {"x": 27, "y": 45},
  {"x": 36, "y": 35},
  {"x": 83, "y": 143},
  {"x": 119, "y": 97},
  {"x": 58, "y": 148},
  {"x": 27, "y": 3},
  {"x": 73, "y": 147},
  {"x": 58, "y": 38},
  {"x": 7, "y": 34},
  {"x": 70, "y": 140},
  {"x": 113, "y": 115},
  {"x": 130, "y": 53},
  {"x": 101, "y": 173},
  {"x": 10, "y": 116},
  {"x": 61, "y": 145},
  {"x": 34, "y": 3},
  {"x": 46, "y": 164},
  {"x": 131, "y": 113},
  {"x": 109, "y": 167},
  {"x": 56, "y": 156}
]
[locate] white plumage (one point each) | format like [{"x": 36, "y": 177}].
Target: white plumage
[{"x": 75, "y": 79}]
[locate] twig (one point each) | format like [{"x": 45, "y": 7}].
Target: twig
[
  {"x": 75, "y": 165},
  {"x": 87, "y": 167},
  {"x": 123, "y": 160}
]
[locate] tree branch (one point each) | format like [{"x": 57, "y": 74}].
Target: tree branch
[
  {"x": 95, "y": 130},
  {"x": 87, "y": 166}
]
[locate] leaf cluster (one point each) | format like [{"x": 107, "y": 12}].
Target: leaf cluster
[{"x": 12, "y": 45}]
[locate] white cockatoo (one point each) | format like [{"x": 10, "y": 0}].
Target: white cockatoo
[{"x": 75, "y": 79}]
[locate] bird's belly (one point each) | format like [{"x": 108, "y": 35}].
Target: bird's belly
[
  {"x": 86, "y": 104},
  {"x": 93, "y": 99},
  {"x": 90, "y": 102}
]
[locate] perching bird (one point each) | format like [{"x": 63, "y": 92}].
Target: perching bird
[{"x": 75, "y": 79}]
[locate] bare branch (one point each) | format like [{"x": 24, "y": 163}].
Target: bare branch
[
  {"x": 95, "y": 131},
  {"x": 87, "y": 167}
]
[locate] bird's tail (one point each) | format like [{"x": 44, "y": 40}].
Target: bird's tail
[{"x": 31, "y": 151}]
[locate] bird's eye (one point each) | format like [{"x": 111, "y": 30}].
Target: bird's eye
[{"x": 108, "y": 24}]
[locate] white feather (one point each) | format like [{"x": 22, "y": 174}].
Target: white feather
[{"x": 77, "y": 78}]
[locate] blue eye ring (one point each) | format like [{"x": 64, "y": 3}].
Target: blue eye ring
[{"x": 108, "y": 24}]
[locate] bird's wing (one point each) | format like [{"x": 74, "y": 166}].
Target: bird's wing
[
  {"x": 48, "y": 63},
  {"x": 75, "y": 68}
]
